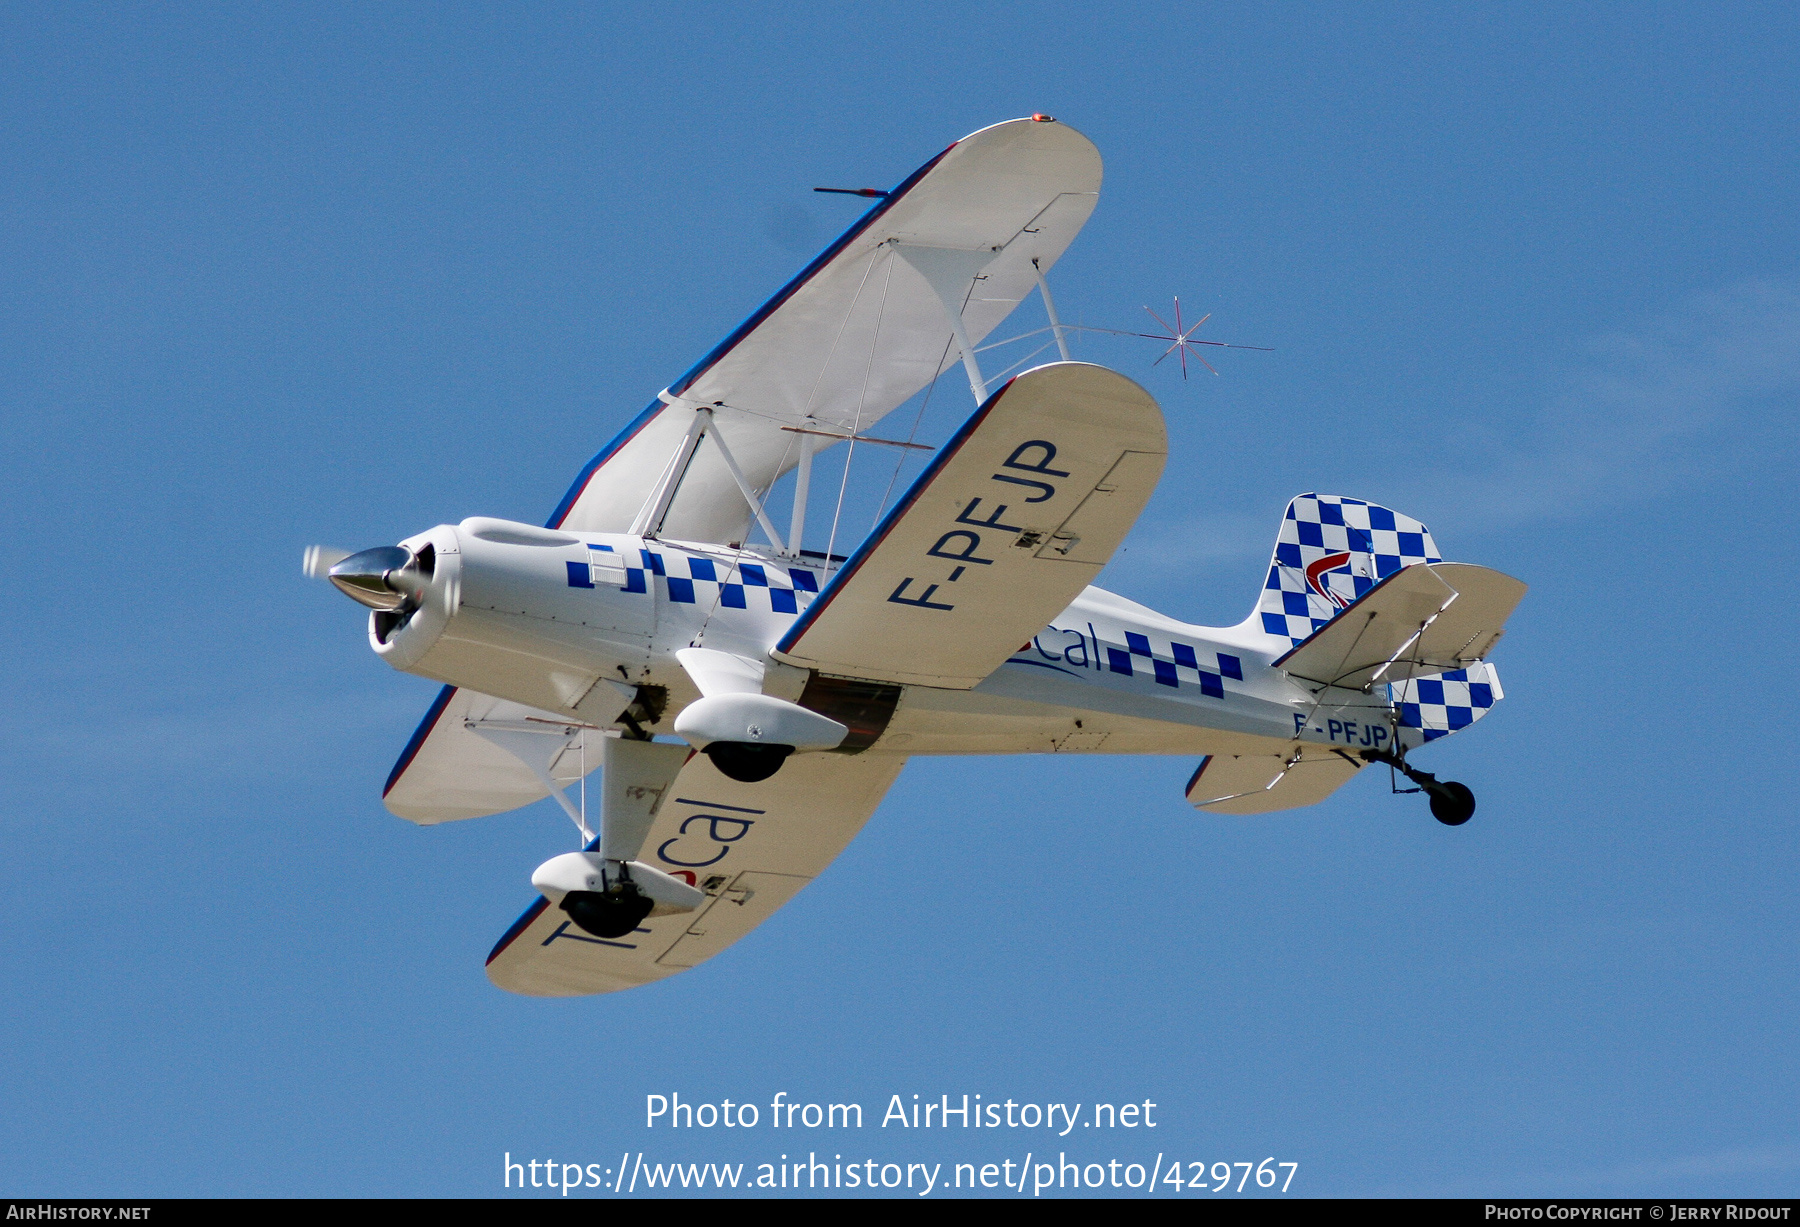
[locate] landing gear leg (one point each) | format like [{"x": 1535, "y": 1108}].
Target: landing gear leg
[
  {"x": 1451, "y": 803},
  {"x": 637, "y": 771}
]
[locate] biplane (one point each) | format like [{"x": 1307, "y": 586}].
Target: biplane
[{"x": 747, "y": 701}]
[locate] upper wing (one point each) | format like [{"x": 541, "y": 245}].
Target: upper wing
[
  {"x": 1015, "y": 516},
  {"x": 1423, "y": 619},
  {"x": 856, "y": 333},
  {"x": 751, "y": 847}
]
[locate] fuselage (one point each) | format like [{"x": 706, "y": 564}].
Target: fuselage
[{"x": 549, "y": 618}]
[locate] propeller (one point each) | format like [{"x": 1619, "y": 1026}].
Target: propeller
[
  {"x": 388, "y": 577},
  {"x": 320, "y": 559}
]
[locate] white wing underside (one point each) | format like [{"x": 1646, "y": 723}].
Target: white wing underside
[
  {"x": 857, "y": 332},
  {"x": 452, "y": 772}
]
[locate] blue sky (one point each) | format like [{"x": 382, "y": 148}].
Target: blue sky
[{"x": 306, "y": 273}]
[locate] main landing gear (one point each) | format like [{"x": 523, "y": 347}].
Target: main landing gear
[
  {"x": 610, "y": 913},
  {"x": 1451, "y": 803},
  {"x": 747, "y": 762}
]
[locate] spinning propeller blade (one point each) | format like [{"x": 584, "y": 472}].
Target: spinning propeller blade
[{"x": 320, "y": 559}]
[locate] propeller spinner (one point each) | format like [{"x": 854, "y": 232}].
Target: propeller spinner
[{"x": 387, "y": 577}]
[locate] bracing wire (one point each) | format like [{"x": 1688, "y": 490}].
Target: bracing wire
[
  {"x": 912, "y": 434},
  {"x": 1022, "y": 361},
  {"x": 919, "y": 417},
  {"x": 839, "y": 336},
  {"x": 1023, "y": 336},
  {"x": 585, "y": 834},
  {"x": 868, "y": 370}
]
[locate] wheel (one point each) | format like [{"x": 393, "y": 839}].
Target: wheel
[
  {"x": 607, "y": 915},
  {"x": 747, "y": 762},
  {"x": 1452, "y": 804}
]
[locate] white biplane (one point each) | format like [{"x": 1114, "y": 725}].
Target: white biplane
[{"x": 749, "y": 704}]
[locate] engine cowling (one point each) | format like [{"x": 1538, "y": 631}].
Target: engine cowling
[{"x": 495, "y": 611}]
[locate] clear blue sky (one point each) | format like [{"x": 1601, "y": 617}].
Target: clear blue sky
[{"x": 278, "y": 274}]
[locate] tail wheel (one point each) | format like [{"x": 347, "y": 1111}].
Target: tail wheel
[{"x": 1452, "y": 804}]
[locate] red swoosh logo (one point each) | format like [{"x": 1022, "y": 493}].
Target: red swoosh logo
[{"x": 1330, "y": 562}]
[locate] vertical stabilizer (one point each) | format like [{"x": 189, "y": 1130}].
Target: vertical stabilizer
[{"x": 1332, "y": 550}]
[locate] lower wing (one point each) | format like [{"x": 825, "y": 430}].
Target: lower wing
[
  {"x": 750, "y": 847},
  {"x": 448, "y": 772}
]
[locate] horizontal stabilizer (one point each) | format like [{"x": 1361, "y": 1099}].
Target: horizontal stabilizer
[
  {"x": 1263, "y": 783},
  {"x": 1011, "y": 522},
  {"x": 1423, "y": 619}
]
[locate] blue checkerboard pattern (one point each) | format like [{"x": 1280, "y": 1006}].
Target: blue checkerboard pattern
[
  {"x": 1167, "y": 669},
  {"x": 1376, "y": 541},
  {"x": 1438, "y": 705},
  {"x": 707, "y": 581}
]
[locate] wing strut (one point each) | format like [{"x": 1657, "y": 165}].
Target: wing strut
[
  {"x": 950, "y": 271},
  {"x": 743, "y": 484},
  {"x": 1062, "y": 346},
  {"x": 649, "y": 519},
  {"x": 802, "y": 485},
  {"x": 656, "y": 508},
  {"x": 527, "y": 741}
]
